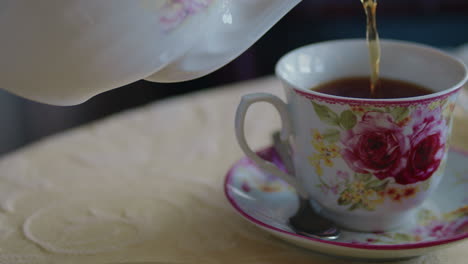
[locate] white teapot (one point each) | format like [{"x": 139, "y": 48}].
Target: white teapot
[{"x": 63, "y": 52}]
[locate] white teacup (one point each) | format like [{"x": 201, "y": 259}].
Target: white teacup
[{"x": 359, "y": 185}]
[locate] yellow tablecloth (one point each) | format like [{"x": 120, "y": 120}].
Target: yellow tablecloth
[{"x": 146, "y": 185}]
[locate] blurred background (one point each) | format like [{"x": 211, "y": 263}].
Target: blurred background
[{"x": 440, "y": 23}]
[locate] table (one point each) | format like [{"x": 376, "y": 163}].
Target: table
[{"x": 146, "y": 185}]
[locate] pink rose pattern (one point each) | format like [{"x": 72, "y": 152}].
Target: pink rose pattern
[
  {"x": 429, "y": 224},
  {"x": 379, "y": 146},
  {"x": 376, "y": 145},
  {"x": 177, "y": 11},
  {"x": 383, "y": 147},
  {"x": 427, "y": 147}
]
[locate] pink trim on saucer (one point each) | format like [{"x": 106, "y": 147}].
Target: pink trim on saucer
[
  {"x": 228, "y": 181},
  {"x": 375, "y": 103}
]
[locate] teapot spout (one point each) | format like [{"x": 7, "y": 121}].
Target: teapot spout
[{"x": 236, "y": 26}]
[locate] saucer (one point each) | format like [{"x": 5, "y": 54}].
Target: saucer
[{"x": 268, "y": 202}]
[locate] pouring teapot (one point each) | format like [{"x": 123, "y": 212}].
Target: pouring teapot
[{"x": 63, "y": 52}]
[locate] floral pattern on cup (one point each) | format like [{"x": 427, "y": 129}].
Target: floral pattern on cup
[
  {"x": 363, "y": 190},
  {"x": 177, "y": 11},
  {"x": 326, "y": 149},
  {"x": 434, "y": 221},
  {"x": 391, "y": 151}
]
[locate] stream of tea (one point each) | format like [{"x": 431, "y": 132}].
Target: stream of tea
[{"x": 370, "y": 7}]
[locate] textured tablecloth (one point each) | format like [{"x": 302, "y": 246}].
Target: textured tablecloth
[{"x": 146, "y": 185}]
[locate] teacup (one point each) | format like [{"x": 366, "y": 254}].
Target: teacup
[{"x": 366, "y": 163}]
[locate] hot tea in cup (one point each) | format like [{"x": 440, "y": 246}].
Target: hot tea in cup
[
  {"x": 358, "y": 87},
  {"x": 366, "y": 161}
]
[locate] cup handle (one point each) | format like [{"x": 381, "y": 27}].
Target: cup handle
[{"x": 267, "y": 166}]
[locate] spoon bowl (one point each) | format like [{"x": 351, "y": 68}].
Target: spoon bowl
[{"x": 306, "y": 221}]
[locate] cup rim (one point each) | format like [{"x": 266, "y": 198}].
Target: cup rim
[{"x": 313, "y": 94}]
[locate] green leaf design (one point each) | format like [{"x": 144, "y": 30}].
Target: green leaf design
[
  {"x": 426, "y": 184},
  {"x": 363, "y": 176},
  {"x": 342, "y": 201},
  {"x": 348, "y": 119},
  {"x": 368, "y": 207},
  {"x": 331, "y": 135},
  {"x": 367, "y": 177},
  {"x": 388, "y": 235},
  {"x": 355, "y": 206},
  {"x": 425, "y": 217},
  {"x": 373, "y": 109},
  {"x": 400, "y": 113},
  {"x": 326, "y": 114},
  {"x": 402, "y": 237},
  {"x": 381, "y": 187},
  {"x": 377, "y": 185}
]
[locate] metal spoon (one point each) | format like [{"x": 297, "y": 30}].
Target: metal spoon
[{"x": 306, "y": 221}]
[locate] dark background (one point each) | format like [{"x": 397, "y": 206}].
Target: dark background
[{"x": 441, "y": 23}]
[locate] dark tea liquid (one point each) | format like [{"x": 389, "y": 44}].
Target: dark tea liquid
[{"x": 358, "y": 87}]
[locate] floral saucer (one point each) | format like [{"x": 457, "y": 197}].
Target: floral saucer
[{"x": 268, "y": 202}]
